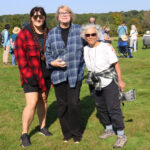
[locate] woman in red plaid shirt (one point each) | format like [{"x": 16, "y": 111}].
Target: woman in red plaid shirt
[{"x": 35, "y": 78}]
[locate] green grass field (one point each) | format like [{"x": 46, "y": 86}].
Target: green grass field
[{"x": 136, "y": 114}]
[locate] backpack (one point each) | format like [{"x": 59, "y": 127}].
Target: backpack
[{"x": 2, "y": 37}]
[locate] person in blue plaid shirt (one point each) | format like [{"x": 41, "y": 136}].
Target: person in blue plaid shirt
[{"x": 64, "y": 55}]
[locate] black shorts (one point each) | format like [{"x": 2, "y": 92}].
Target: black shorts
[{"x": 28, "y": 88}]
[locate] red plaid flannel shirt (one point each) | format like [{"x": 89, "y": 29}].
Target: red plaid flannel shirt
[{"x": 27, "y": 54}]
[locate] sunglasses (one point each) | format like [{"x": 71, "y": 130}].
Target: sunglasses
[
  {"x": 64, "y": 13},
  {"x": 36, "y": 16},
  {"x": 92, "y": 35}
]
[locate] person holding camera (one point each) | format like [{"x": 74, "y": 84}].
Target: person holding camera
[{"x": 105, "y": 80}]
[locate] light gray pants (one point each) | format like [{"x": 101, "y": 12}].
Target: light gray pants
[
  {"x": 133, "y": 43},
  {"x": 6, "y": 54}
]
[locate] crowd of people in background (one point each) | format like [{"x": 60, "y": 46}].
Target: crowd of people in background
[
  {"x": 8, "y": 46},
  {"x": 58, "y": 56},
  {"x": 7, "y": 42}
]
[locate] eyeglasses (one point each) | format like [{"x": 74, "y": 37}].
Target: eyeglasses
[
  {"x": 36, "y": 16},
  {"x": 92, "y": 35},
  {"x": 64, "y": 13}
]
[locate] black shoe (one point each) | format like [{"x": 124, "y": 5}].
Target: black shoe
[
  {"x": 25, "y": 140},
  {"x": 44, "y": 131}
]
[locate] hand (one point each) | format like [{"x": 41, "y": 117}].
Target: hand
[
  {"x": 44, "y": 98},
  {"x": 121, "y": 85},
  {"x": 58, "y": 63},
  {"x": 111, "y": 39}
]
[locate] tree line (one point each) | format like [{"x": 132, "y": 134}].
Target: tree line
[{"x": 141, "y": 19}]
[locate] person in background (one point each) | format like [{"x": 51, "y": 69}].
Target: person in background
[
  {"x": 103, "y": 31},
  {"x": 107, "y": 38},
  {"x": 92, "y": 20},
  {"x": 133, "y": 37},
  {"x": 64, "y": 54},
  {"x": 146, "y": 39},
  {"x": 35, "y": 78},
  {"x": 25, "y": 24},
  {"x": 122, "y": 30},
  {"x": 6, "y": 44},
  {"x": 13, "y": 36},
  {"x": 105, "y": 79}
]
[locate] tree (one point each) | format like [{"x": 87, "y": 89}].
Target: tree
[
  {"x": 137, "y": 23},
  {"x": 112, "y": 19},
  {"x": 117, "y": 17},
  {"x": 16, "y": 21},
  {"x": 146, "y": 20}
]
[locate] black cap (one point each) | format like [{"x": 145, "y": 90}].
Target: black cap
[
  {"x": 123, "y": 22},
  {"x": 7, "y": 26}
]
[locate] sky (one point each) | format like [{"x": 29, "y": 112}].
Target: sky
[{"x": 9, "y": 7}]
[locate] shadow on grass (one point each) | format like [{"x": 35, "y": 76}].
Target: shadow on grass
[
  {"x": 51, "y": 114},
  {"x": 127, "y": 120},
  {"x": 51, "y": 117},
  {"x": 35, "y": 130},
  {"x": 87, "y": 107}
]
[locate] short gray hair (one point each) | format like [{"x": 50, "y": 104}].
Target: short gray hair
[{"x": 87, "y": 26}]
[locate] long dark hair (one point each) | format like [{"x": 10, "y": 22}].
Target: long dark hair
[
  {"x": 44, "y": 26},
  {"x": 42, "y": 11}
]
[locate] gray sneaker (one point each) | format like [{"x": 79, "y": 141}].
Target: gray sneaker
[
  {"x": 106, "y": 134},
  {"x": 120, "y": 142}
]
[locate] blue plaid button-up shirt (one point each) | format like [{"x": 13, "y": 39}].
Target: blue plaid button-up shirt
[{"x": 72, "y": 54}]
